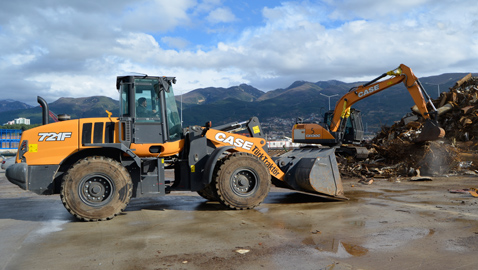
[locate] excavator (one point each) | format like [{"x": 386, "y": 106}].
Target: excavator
[
  {"x": 344, "y": 124},
  {"x": 97, "y": 165}
]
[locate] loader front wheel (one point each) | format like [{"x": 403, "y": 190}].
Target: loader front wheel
[
  {"x": 242, "y": 181},
  {"x": 208, "y": 193},
  {"x": 96, "y": 188}
]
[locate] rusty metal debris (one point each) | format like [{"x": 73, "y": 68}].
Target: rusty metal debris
[
  {"x": 396, "y": 154},
  {"x": 471, "y": 191}
]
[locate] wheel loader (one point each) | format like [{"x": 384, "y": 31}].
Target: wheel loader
[{"x": 98, "y": 164}]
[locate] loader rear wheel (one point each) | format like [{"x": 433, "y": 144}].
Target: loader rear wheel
[
  {"x": 96, "y": 188},
  {"x": 242, "y": 181}
]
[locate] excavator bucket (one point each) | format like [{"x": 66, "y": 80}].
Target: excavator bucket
[
  {"x": 312, "y": 170},
  {"x": 431, "y": 132}
]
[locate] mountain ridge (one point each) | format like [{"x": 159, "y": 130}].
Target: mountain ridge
[{"x": 238, "y": 103}]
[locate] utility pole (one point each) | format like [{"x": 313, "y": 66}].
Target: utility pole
[
  {"x": 329, "y": 98},
  {"x": 181, "y": 109},
  {"x": 438, "y": 85}
]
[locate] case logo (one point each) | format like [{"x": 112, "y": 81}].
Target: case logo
[
  {"x": 53, "y": 137},
  {"x": 238, "y": 142},
  {"x": 369, "y": 91}
]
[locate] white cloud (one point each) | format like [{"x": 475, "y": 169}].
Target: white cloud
[
  {"x": 207, "y": 5},
  {"x": 371, "y": 9},
  {"x": 221, "y": 15},
  {"x": 175, "y": 42},
  {"x": 157, "y": 15},
  {"x": 55, "y": 48},
  {"x": 299, "y": 47}
]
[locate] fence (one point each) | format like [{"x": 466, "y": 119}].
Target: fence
[{"x": 10, "y": 138}]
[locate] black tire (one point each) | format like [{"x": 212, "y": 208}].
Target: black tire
[
  {"x": 96, "y": 188},
  {"x": 208, "y": 193},
  {"x": 241, "y": 181}
]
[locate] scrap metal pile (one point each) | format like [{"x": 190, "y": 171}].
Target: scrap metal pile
[{"x": 395, "y": 154}]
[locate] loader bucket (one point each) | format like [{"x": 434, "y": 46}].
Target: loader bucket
[
  {"x": 312, "y": 170},
  {"x": 430, "y": 132}
]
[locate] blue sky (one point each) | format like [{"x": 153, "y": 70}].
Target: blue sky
[
  {"x": 222, "y": 23},
  {"x": 57, "y": 48}
]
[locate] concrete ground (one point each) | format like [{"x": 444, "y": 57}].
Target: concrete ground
[{"x": 390, "y": 224}]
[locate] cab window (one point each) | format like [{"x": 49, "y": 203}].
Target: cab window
[
  {"x": 147, "y": 102},
  {"x": 174, "y": 121}
]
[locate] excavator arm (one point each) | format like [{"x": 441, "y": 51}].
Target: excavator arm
[
  {"x": 313, "y": 133},
  {"x": 401, "y": 74}
]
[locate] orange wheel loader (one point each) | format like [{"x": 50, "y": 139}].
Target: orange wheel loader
[{"x": 98, "y": 164}]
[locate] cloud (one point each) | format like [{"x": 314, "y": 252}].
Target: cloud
[
  {"x": 298, "y": 45},
  {"x": 221, "y": 15},
  {"x": 370, "y": 9},
  {"x": 156, "y": 16},
  {"x": 55, "y": 48},
  {"x": 175, "y": 42}
]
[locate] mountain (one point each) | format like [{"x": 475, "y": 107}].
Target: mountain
[
  {"x": 274, "y": 108},
  {"x": 85, "y": 107},
  {"x": 76, "y": 107},
  {"x": 210, "y": 95},
  {"x": 303, "y": 99},
  {"x": 299, "y": 90},
  {"x": 11, "y": 105}
]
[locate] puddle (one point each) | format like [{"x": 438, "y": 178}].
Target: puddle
[
  {"x": 339, "y": 249},
  {"x": 379, "y": 241},
  {"x": 354, "y": 250},
  {"x": 336, "y": 248}
]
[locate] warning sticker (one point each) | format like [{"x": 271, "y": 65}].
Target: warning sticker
[
  {"x": 33, "y": 148},
  {"x": 256, "y": 129}
]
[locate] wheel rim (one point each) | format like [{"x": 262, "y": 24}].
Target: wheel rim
[
  {"x": 244, "y": 182},
  {"x": 96, "y": 190}
]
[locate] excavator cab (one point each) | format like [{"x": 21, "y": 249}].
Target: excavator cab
[{"x": 353, "y": 131}]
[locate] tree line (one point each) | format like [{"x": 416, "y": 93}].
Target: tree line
[{"x": 22, "y": 127}]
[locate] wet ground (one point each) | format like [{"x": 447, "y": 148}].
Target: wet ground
[{"x": 389, "y": 224}]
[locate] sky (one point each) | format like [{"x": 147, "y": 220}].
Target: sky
[{"x": 76, "y": 48}]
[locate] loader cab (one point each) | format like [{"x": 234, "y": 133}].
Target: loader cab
[
  {"x": 353, "y": 132},
  {"x": 148, "y": 111}
]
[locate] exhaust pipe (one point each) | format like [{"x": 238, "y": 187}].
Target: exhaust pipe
[{"x": 44, "y": 109}]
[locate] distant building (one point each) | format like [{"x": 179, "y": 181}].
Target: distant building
[
  {"x": 282, "y": 144},
  {"x": 9, "y": 138},
  {"x": 19, "y": 121}
]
